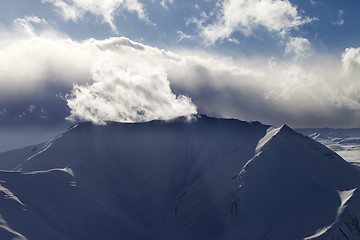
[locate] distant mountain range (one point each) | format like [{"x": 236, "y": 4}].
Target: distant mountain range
[
  {"x": 191, "y": 178},
  {"x": 345, "y": 142}
]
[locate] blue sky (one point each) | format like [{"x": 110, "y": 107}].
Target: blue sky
[
  {"x": 333, "y": 30},
  {"x": 275, "y": 61}
]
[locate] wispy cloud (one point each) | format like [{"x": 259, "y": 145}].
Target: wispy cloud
[
  {"x": 107, "y": 10},
  {"x": 314, "y": 2},
  {"x": 183, "y": 36},
  {"x": 248, "y": 16},
  {"x": 165, "y": 3},
  {"x": 340, "y": 20},
  {"x": 25, "y": 26}
]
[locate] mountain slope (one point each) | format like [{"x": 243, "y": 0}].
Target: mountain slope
[
  {"x": 345, "y": 142},
  {"x": 198, "y": 178},
  {"x": 300, "y": 183},
  {"x": 9, "y": 160}
]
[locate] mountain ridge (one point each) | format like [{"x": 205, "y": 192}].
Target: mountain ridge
[{"x": 187, "y": 178}]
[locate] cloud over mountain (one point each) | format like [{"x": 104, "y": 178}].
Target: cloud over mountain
[
  {"x": 135, "y": 94},
  {"x": 42, "y": 62}
]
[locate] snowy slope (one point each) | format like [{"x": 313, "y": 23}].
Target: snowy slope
[
  {"x": 199, "y": 178},
  {"x": 301, "y": 183},
  {"x": 345, "y": 142}
]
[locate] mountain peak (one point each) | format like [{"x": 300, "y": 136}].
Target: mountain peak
[{"x": 285, "y": 127}]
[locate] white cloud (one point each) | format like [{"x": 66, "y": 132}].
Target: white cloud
[
  {"x": 36, "y": 63},
  {"x": 247, "y": 16},
  {"x": 351, "y": 60},
  {"x": 323, "y": 91},
  {"x": 298, "y": 47},
  {"x": 134, "y": 94},
  {"x": 33, "y": 57},
  {"x": 107, "y": 10},
  {"x": 30, "y": 63}
]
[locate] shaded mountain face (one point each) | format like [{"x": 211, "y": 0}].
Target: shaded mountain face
[{"x": 188, "y": 178}]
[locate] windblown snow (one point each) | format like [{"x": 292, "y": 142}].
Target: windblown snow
[{"x": 187, "y": 178}]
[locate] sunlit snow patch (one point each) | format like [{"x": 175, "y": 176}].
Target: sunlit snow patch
[
  {"x": 271, "y": 132},
  {"x": 344, "y": 197}
]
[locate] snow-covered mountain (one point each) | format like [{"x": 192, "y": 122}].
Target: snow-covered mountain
[
  {"x": 345, "y": 142},
  {"x": 188, "y": 178}
]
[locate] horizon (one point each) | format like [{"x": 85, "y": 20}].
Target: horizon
[{"x": 43, "y": 136}]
